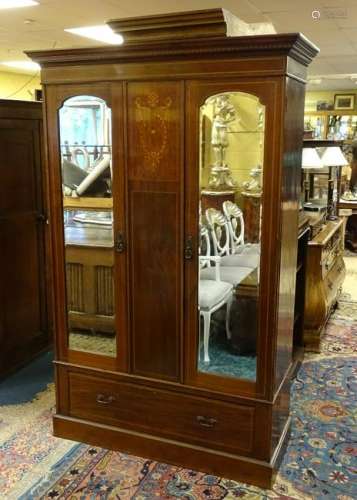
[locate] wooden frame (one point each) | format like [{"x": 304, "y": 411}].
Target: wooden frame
[{"x": 344, "y": 102}]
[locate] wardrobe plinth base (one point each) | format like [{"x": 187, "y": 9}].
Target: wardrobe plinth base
[{"x": 220, "y": 464}]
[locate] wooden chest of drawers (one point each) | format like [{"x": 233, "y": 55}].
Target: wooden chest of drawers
[{"x": 325, "y": 273}]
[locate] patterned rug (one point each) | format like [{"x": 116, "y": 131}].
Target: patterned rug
[{"x": 320, "y": 462}]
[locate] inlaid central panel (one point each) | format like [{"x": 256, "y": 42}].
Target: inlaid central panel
[{"x": 154, "y": 173}]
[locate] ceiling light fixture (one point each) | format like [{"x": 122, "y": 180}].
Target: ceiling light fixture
[
  {"x": 14, "y": 4},
  {"x": 314, "y": 81},
  {"x": 26, "y": 65},
  {"x": 102, "y": 33}
]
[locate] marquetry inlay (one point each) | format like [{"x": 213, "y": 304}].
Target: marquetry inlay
[{"x": 153, "y": 126}]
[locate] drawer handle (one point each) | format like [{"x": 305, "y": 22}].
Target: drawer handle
[
  {"x": 105, "y": 400},
  {"x": 206, "y": 421}
]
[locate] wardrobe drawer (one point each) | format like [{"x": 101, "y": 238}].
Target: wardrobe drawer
[{"x": 212, "y": 424}]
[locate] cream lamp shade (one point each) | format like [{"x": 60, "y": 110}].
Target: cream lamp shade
[
  {"x": 333, "y": 157},
  {"x": 311, "y": 159}
]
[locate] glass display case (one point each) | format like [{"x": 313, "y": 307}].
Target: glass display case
[
  {"x": 342, "y": 127},
  {"x": 330, "y": 125},
  {"x": 349, "y": 174},
  {"x": 315, "y": 126}
]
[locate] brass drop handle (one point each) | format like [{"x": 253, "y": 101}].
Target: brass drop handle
[
  {"x": 120, "y": 245},
  {"x": 206, "y": 421},
  {"x": 189, "y": 248},
  {"x": 102, "y": 399}
]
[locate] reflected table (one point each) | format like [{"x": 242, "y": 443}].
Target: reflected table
[{"x": 89, "y": 272}]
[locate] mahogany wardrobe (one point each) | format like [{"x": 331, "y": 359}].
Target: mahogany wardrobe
[{"x": 174, "y": 176}]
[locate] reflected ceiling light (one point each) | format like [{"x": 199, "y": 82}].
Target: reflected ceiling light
[
  {"x": 27, "y": 65},
  {"x": 14, "y": 4},
  {"x": 102, "y": 33}
]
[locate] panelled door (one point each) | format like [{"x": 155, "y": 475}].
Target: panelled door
[
  {"x": 87, "y": 178},
  {"x": 23, "y": 321},
  {"x": 155, "y": 193},
  {"x": 229, "y": 216}
]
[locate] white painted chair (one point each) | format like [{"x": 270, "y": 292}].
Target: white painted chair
[
  {"x": 235, "y": 220},
  {"x": 234, "y": 216},
  {"x": 213, "y": 293},
  {"x": 236, "y": 267}
]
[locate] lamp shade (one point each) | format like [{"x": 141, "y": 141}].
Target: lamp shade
[
  {"x": 311, "y": 159},
  {"x": 333, "y": 157}
]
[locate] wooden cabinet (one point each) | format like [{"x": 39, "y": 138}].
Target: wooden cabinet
[
  {"x": 24, "y": 327},
  {"x": 325, "y": 271},
  {"x": 182, "y": 102}
]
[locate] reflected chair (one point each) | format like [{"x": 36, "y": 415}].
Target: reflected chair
[
  {"x": 213, "y": 293},
  {"x": 234, "y": 268},
  {"x": 235, "y": 220}
]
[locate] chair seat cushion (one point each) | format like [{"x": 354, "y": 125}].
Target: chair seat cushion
[
  {"x": 241, "y": 260},
  {"x": 213, "y": 292},
  {"x": 233, "y": 275}
]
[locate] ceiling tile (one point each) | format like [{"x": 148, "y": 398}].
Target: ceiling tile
[{"x": 336, "y": 38}]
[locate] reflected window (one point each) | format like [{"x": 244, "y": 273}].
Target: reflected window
[
  {"x": 231, "y": 168},
  {"x": 85, "y": 142}
]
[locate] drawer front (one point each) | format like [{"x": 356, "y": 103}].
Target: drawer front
[
  {"x": 195, "y": 420},
  {"x": 333, "y": 281},
  {"x": 329, "y": 259}
]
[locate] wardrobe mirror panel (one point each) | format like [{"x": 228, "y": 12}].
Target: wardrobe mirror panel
[
  {"x": 86, "y": 169},
  {"x": 231, "y": 169}
]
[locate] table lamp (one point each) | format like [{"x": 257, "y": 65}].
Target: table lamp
[
  {"x": 333, "y": 157},
  {"x": 310, "y": 160}
]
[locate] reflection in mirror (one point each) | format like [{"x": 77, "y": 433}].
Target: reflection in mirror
[
  {"x": 231, "y": 166},
  {"x": 85, "y": 142}
]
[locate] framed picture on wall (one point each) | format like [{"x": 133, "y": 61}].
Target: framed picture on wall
[{"x": 344, "y": 101}]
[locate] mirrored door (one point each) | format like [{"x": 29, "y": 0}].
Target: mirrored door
[
  {"x": 86, "y": 170},
  {"x": 231, "y": 160}
]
